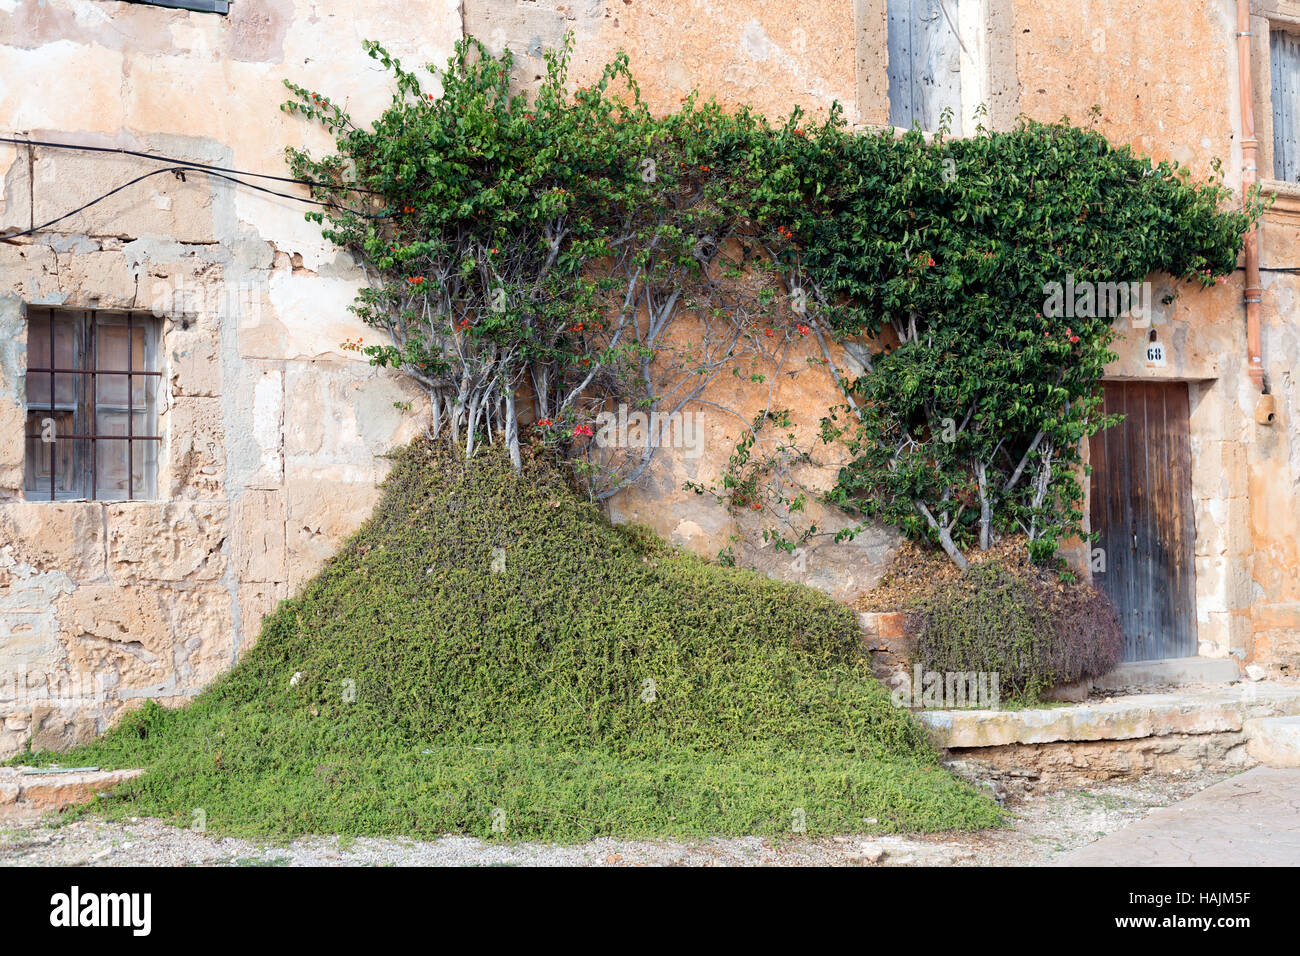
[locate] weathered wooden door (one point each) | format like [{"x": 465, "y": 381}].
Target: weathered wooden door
[{"x": 1141, "y": 506}]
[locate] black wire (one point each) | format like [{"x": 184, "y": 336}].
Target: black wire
[
  {"x": 216, "y": 172},
  {"x": 176, "y": 162}
]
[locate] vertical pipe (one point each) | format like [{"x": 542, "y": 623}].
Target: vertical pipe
[
  {"x": 54, "y": 457},
  {"x": 94, "y": 403},
  {"x": 130, "y": 411},
  {"x": 1249, "y": 176}
]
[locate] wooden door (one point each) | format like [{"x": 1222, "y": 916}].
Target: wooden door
[{"x": 1141, "y": 507}]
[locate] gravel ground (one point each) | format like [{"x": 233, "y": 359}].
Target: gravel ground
[{"x": 1044, "y": 826}]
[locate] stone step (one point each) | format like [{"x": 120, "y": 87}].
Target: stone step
[
  {"x": 1274, "y": 741},
  {"x": 1174, "y": 670},
  {"x": 23, "y": 789},
  {"x": 1201, "y": 711}
]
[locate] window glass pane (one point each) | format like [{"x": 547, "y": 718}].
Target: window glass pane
[
  {"x": 110, "y": 390},
  {"x": 111, "y": 456},
  {"x": 110, "y": 342},
  {"x": 38, "y": 357}
]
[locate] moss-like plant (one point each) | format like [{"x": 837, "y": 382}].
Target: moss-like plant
[{"x": 489, "y": 655}]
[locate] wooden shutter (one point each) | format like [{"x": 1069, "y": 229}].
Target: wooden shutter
[
  {"x": 924, "y": 63},
  {"x": 1284, "y": 60}
]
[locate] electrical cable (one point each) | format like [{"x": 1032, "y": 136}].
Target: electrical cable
[
  {"x": 175, "y": 162},
  {"x": 180, "y": 168}
]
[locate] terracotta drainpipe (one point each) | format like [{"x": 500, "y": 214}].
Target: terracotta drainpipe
[{"x": 1249, "y": 176}]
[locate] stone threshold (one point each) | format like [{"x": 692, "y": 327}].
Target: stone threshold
[
  {"x": 1174, "y": 670},
  {"x": 1201, "y": 711}
]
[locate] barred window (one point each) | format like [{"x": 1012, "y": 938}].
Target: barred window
[
  {"x": 92, "y": 405},
  {"x": 200, "y": 6}
]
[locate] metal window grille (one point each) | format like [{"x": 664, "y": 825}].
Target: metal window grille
[
  {"x": 92, "y": 396},
  {"x": 199, "y": 6}
]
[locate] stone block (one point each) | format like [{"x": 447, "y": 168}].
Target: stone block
[
  {"x": 344, "y": 413},
  {"x": 167, "y": 541},
  {"x": 302, "y": 316},
  {"x": 118, "y": 636},
  {"x": 56, "y": 536},
  {"x": 57, "y": 730},
  {"x": 161, "y": 206},
  {"x": 258, "y": 547},
  {"x": 321, "y": 513},
  {"x": 256, "y": 601},
  {"x": 1274, "y": 741},
  {"x": 195, "y": 448},
  {"x": 255, "y": 452},
  {"x": 201, "y": 630}
]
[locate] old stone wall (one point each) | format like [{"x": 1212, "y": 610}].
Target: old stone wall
[{"x": 274, "y": 436}]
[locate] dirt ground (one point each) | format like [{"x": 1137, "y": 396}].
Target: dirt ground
[{"x": 1044, "y": 826}]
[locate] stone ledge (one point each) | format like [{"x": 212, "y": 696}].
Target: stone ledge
[
  {"x": 20, "y": 790},
  {"x": 1125, "y": 718}
]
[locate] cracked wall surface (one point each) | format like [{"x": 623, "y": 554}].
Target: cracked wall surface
[{"x": 274, "y": 435}]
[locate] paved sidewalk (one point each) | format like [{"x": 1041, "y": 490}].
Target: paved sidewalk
[{"x": 1249, "y": 820}]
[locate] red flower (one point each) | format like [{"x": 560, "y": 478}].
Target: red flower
[
  {"x": 769, "y": 333},
  {"x": 583, "y": 430},
  {"x": 416, "y": 280},
  {"x": 803, "y": 329},
  {"x": 544, "y": 423},
  {"x": 408, "y": 209},
  {"x": 1074, "y": 338}
]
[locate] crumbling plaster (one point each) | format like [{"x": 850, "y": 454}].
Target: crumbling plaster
[{"x": 274, "y": 436}]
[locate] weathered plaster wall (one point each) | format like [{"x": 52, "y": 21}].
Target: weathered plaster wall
[
  {"x": 1165, "y": 79},
  {"x": 274, "y": 435}
]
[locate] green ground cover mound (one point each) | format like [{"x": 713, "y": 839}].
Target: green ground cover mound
[{"x": 489, "y": 655}]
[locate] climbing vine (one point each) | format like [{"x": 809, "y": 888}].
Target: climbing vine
[{"x": 544, "y": 250}]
